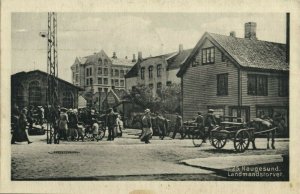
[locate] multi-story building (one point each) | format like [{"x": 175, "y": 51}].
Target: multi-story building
[
  {"x": 243, "y": 77},
  {"x": 157, "y": 71},
  {"x": 100, "y": 73}
]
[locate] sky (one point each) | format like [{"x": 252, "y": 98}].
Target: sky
[{"x": 82, "y": 34}]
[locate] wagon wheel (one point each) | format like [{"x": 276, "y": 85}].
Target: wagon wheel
[
  {"x": 241, "y": 140},
  {"x": 218, "y": 142},
  {"x": 198, "y": 137}
]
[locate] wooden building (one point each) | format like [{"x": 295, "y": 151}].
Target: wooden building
[
  {"x": 29, "y": 88},
  {"x": 236, "y": 76}
]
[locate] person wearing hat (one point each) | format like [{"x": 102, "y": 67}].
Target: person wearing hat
[
  {"x": 210, "y": 120},
  {"x": 147, "y": 127},
  {"x": 178, "y": 125},
  {"x": 199, "y": 120},
  {"x": 63, "y": 123},
  {"x": 111, "y": 118}
]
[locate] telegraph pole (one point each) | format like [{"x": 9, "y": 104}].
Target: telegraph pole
[{"x": 52, "y": 70}]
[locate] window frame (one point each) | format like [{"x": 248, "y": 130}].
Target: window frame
[
  {"x": 256, "y": 78},
  {"x": 219, "y": 91},
  {"x": 143, "y": 73},
  {"x": 283, "y": 86},
  {"x": 209, "y": 54},
  {"x": 159, "y": 70},
  {"x": 150, "y": 71}
]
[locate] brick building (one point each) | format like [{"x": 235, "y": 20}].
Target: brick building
[{"x": 29, "y": 88}]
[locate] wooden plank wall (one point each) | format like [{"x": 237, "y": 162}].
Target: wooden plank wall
[{"x": 200, "y": 85}]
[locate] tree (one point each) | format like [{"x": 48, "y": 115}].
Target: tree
[{"x": 166, "y": 99}]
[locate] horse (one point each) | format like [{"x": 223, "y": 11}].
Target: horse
[{"x": 261, "y": 125}]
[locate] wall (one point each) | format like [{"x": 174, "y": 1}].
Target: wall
[
  {"x": 171, "y": 76},
  {"x": 200, "y": 85}
]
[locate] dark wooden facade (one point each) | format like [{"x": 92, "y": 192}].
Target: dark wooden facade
[
  {"x": 29, "y": 88},
  {"x": 199, "y": 88}
]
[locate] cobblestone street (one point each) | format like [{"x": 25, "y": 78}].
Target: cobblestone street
[{"x": 125, "y": 158}]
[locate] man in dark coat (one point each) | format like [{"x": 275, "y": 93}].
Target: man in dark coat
[
  {"x": 111, "y": 118},
  {"x": 210, "y": 120},
  {"x": 147, "y": 127},
  {"x": 199, "y": 120},
  {"x": 178, "y": 125}
]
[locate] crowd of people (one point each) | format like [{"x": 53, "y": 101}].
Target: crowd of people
[
  {"x": 74, "y": 124},
  {"x": 69, "y": 124}
]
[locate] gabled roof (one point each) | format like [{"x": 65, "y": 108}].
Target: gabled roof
[
  {"x": 23, "y": 73},
  {"x": 134, "y": 71},
  {"x": 175, "y": 61},
  {"x": 92, "y": 59},
  {"x": 246, "y": 53}
]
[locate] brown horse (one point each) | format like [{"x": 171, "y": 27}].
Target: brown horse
[{"x": 263, "y": 126}]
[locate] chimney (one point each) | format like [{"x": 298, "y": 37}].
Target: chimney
[
  {"x": 250, "y": 30},
  {"x": 133, "y": 58},
  {"x": 140, "y": 55},
  {"x": 232, "y": 34},
  {"x": 114, "y": 55},
  {"x": 288, "y": 37},
  {"x": 180, "y": 48},
  {"x": 126, "y": 57}
]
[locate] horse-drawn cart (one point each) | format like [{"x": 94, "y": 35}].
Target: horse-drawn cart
[{"x": 240, "y": 133}]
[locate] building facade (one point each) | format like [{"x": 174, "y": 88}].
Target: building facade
[
  {"x": 30, "y": 88},
  {"x": 242, "y": 77},
  {"x": 99, "y": 73},
  {"x": 156, "y": 72}
]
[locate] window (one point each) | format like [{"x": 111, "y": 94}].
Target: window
[
  {"x": 121, "y": 73},
  {"x": 122, "y": 83},
  {"x": 99, "y": 80},
  {"x": 112, "y": 82},
  {"x": 35, "y": 93},
  {"x": 244, "y": 113},
  {"x": 151, "y": 86},
  {"x": 112, "y": 73},
  {"x": 100, "y": 61},
  {"x": 159, "y": 85},
  {"x": 105, "y": 71},
  {"x": 91, "y": 81},
  {"x": 105, "y": 80},
  {"x": 76, "y": 78},
  {"x": 116, "y": 72},
  {"x": 159, "y": 70},
  {"x": 208, "y": 55},
  {"x": 283, "y": 86},
  {"x": 99, "y": 89},
  {"x": 76, "y": 68},
  {"x": 105, "y": 90},
  {"x": 150, "y": 72},
  {"x": 87, "y": 71},
  {"x": 143, "y": 73},
  {"x": 67, "y": 100},
  {"x": 168, "y": 83},
  {"x": 222, "y": 84},
  {"x": 105, "y": 62},
  {"x": 99, "y": 70},
  {"x": 257, "y": 85},
  {"x": 87, "y": 82},
  {"x": 116, "y": 82}
]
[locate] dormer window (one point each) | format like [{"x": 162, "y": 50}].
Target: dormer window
[
  {"x": 208, "y": 55},
  {"x": 100, "y": 61}
]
